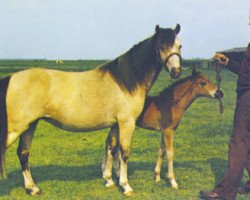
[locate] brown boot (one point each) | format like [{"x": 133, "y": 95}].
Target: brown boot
[
  {"x": 208, "y": 195},
  {"x": 245, "y": 189}
]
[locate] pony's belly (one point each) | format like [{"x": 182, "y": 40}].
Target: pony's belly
[
  {"x": 81, "y": 114},
  {"x": 76, "y": 127}
]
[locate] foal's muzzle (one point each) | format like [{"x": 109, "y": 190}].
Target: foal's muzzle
[{"x": 219, "y": 94}]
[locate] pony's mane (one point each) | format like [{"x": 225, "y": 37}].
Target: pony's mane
[
  {"x": 170, "y": 88},
  {"x": 131, "y": 69},
  {"x": 139, "y": 64}
]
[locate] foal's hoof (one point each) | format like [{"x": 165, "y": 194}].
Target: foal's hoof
[
  {"x": 129, "y": 193},
  {"x": 35, "y": 191}
]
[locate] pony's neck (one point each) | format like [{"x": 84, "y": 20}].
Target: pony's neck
[
  {"x": 136, "y": 69},
  {"x": 143, "y": 59},
  {"x": 184, "y": 95}
]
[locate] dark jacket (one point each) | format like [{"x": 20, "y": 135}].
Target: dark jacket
[{"x": 241, "y": 68}]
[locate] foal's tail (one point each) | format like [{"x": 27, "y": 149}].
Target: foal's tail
[{"x": 3, "y": 124}]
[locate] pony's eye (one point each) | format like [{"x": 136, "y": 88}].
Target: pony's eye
[{"x": 180, "y": 47}]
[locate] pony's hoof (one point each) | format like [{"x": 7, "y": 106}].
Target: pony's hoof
[
  {"x": 35, "y": 191},
  {"x": 3, "y": 177},
  {"x": 110, "y": 185},
  {"x": 174, "y": 184},
  {"x": 176, "y": 187},
  {"x": 157, "y": 179},
  {"x": 129, "y": 193}
]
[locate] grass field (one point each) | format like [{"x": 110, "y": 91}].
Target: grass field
[
  {"x": 66, "y": 165},
  {"x": 8, "y": 66}
]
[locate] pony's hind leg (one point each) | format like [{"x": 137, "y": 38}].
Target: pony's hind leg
[
  {"x": 116, "y": 164},
  {"x": 23, "y": 151},
  {"x": 111, "y": 151}
]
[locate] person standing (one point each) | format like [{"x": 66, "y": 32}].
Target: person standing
[{"x": 239, "y": 145}]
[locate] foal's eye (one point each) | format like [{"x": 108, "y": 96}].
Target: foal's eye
[
  {"x": 180, "y": 47},
  {"x": 203, "y": 84}
]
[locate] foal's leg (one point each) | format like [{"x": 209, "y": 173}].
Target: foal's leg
[
  {"x": 23, "y": 154},
  {"x": 111, "y": 151},
  {"x": 126, "y": 131},
  {"x": 161, "y": 154},
  {"x": 168, "y": 136}
]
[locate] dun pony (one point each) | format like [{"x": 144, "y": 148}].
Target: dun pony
[{"x": 113, "y": 93}]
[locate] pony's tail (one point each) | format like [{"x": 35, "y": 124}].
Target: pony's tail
[{"x": 3, "y": 124}]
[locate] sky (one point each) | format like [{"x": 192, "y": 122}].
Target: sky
[{"x": 105, "y": 29}]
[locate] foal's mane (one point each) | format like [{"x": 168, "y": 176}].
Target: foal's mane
[
  {"x": 169, "y": 89},
  {"x": 132, "y": 68}
]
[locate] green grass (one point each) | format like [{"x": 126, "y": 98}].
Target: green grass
[
  {"x": 68, "y": 65},
  {"x": 66, "y": 165}
]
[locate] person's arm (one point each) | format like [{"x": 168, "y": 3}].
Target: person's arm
[{"x": 232, "y": 65}]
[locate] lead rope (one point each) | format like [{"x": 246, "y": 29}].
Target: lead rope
[{"x": 218, "y": 79}]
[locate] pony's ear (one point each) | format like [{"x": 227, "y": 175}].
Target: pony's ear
[
  {"x": 177, "y": 29},
  {"x": 157, "y": 29}
]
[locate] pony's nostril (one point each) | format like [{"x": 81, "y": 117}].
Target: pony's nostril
[{"x": 175, "y": 73}]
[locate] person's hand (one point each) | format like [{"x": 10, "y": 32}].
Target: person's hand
[{"x": 221, "y": 59}]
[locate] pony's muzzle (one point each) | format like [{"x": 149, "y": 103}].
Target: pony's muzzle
[
  {"x": 175, "y": 73},
  {"x": 219, "y": 94}
]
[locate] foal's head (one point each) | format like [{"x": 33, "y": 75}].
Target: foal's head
[
  {"x": 204, "y": 87},
  {"x": 168, "y": 49}
]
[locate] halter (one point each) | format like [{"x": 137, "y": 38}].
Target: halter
[{"x": 170, "y": 55}]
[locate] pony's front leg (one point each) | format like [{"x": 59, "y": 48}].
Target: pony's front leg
[
  {"x": 112, "y": 144},
  {"x": 126, "y": 131},
  {"x": 168, "y": 137},
  {"x": 23, "y": 154}
]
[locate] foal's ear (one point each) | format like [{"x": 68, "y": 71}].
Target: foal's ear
[
  {"x": 177, "y": 29},
  {"x": 157, "y": 29},
  {"x": 195, "y": 71}
]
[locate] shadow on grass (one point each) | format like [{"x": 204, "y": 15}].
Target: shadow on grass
[
  {"x": 51, "y": 172},
  {"x": 150, "y": 166},
  {"x": 92, "y": 172},
  {"x": 218, "y": 167}
]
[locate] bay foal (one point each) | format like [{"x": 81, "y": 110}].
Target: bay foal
[{"x": 163, "y": 113}]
